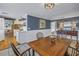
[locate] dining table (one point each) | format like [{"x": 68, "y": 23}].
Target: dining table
[{"x": 46, "y": 47}]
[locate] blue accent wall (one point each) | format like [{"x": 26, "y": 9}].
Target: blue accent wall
[
  {"x": 48, "y": 24},
  {"x": 33, "y": 23}
]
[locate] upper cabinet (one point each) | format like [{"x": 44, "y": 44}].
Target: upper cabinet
[
  {"x": 69, "y": 24},
  {"x": 74, "y": 25},
  {"x": 20, "y": 25}
]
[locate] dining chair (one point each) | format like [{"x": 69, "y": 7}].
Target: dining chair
[
  {"x": 77, "y": 45},
  {"x": 39, "y": 35},
  {"x": 53, "y": 34},
  {"x": 24, "y": 53},
  {"x": 71, "y": 51}
]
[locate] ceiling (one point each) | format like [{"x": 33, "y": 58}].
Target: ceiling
[{"x": 60, "y": 10}]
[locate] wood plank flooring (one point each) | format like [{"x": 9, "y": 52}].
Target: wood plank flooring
[{"x": 6, "y": 42}]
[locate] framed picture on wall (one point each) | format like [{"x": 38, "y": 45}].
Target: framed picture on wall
[{"x": 42, "y": 23}]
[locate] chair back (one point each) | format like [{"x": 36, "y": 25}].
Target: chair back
[
  {"x": 15, "y": 50},
  {"x": 73, "y": 51},
  {"x": 39, "y": 35}
]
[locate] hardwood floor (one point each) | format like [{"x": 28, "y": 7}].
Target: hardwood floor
[{"x": 6, "y": 42}]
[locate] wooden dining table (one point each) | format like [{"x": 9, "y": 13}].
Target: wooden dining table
[{"x": 44, "y": 47}]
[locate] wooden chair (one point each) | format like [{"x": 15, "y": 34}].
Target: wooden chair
[
  {"x": 39, "y": 35},
  {"x": 72, "y": 51},
  {"x": 17, "y": 53},
  {"x": 77, "y": 45}
]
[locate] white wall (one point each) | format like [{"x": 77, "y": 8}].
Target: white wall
[
  {"x": 31, "y": 35},
  {"x": 53, "y": 26},
  {"x": 2, "y": 29}
]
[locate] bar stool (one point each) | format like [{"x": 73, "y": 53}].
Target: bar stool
[
  {"x": 60, "y": 33},
  {"x": 65, "y": 33},
  {"x": 57, "y": 34},
  {"x": 69, "y": 34}
]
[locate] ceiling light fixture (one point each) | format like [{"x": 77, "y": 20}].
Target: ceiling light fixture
[{"x": 49, "y": 5}]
